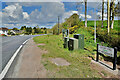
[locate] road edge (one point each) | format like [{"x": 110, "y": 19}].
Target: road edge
[{"x": 6, "y": 68}]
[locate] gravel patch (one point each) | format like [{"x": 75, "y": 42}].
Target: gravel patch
[{"x": 60, "y": 62}]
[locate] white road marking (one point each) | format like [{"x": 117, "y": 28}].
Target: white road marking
[
  {"x": 4, "y": 71},
  {"x": 25, "y": 42}
]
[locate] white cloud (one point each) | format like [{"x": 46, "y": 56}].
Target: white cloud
[
  {"x": 74, "y": 12},
  {"x": 68, "y": 14},
  {"x": 83, "y": 16},
  {"x": 49, "y": 13},
  {"x": 13, "y": 14},
  {"x": 25, "y": 15}
]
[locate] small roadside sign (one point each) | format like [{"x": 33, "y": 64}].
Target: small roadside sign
[
  {"x": 112, "y": 52},
  {"x": 106, "y": 50}
]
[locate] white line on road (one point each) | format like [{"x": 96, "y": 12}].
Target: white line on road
[
  {"x": 4, "y": 71},
  {"x": 25, "y": 42}
]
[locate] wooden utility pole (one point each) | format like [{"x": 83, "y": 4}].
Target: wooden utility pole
[
  {"x": 95, "y": 29},
  {"x": 102, "y": 12},
  {"x": 58, "y": 25},
  {"x": 85, "y": 13},
  {"x": 108, "y": 16}
]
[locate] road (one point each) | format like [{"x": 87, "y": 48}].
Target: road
[{"x": 8, "y": 47}]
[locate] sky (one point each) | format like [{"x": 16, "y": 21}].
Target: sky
[{"x": 44, "y": 14}]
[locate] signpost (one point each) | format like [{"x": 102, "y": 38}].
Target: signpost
[
  {"x": 109, "y": 52},
  {"x": 65, "y": 32}
]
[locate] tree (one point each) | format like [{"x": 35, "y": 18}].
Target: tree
[
  {"x": 102, "y": 12},
  {"x": 23, "y": 27},
  {"x": 72, "y": 20},
  {"x": 110, "y": 10},
  {"x": 108, "y": 16},
  {"x": 15, "y": 28},
  {"x": 117, "y": 9},
  {"x": 37, "y": 29},
  {"x": 65, "y": 25},
  {"x": 28, "y": 30},
  {"x": 113, "y": 13},
  {"x": 85, "y": 13}
]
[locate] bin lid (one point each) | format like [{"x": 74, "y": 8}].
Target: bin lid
[
  {"x": 66, "y": 37},
  {"x": 73, "y": 38}
]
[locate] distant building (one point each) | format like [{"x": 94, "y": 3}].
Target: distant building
[
  {"x": 15, "y": 32},
  {"x": 4, "y": 31},
  {"x": 12, "y": 32}
]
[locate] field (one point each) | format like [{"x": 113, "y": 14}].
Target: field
[{"x": 98, "y": 23}]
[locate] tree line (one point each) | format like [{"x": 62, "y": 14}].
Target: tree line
[{"x": 29, "y": 30}]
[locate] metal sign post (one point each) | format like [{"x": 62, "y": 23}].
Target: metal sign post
[
  {"x": 115, "y": 58},
  {"x": 65, "y": 32},
  {"x": 109, "y": 52},
  {"x": 97, "y": 56}
]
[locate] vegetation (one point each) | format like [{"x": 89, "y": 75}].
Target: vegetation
[
  {"x": 80, "y": 60},
  {"x": 80, "y": 67},
  {"x": 112, "y": 38},
  {"x": 71, "y": 22},
  {"x": 27, "y": 30}
]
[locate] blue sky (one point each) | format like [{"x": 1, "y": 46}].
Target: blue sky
[{"x": 43, "y": 14}]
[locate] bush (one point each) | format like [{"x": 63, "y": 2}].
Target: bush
[
  {"x": 112, "y": 40},
  {"x": 72, "y": 29}
]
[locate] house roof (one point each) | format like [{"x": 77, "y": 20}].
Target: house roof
[{"x": 3, "y": 28}]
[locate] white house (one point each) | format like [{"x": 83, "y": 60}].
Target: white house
[
  {"x": 15, "y": 31},
  {"x": 4, "y": 31},
  {"x": 12, "y": 31}
]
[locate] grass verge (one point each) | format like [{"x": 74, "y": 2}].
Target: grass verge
[{"x": 81, "y": 66}]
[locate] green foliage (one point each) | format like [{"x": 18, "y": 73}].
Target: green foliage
[
  {"x": 23, "y": 28},
  {"x": 99, "y": 23},
  {"x": 55, "y": 29},
  {"x": 80, "y": 65},
  {"x": 15, "y": 28},
  {"x": 65, "y": 25},
  {"x": 70, "y": 22},
  {"x": 49, "y": 31},
  {"x": 111, "y": 39},
  {"x": 43, "y": 30},
  {"x": 36, "y": 30},
  {"x": 73, "y": 20},
  {"x": 73, "y": 29},
  {"x": 28, "y": 30},
  {"x": 117, "y": 9}
]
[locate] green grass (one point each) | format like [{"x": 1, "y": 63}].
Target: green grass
[
  {"x": 80, "y": 64},
  {"x": 99, "y": 23}
]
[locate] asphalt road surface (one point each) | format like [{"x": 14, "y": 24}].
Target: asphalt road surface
[{"x": 8, "y": 47}]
